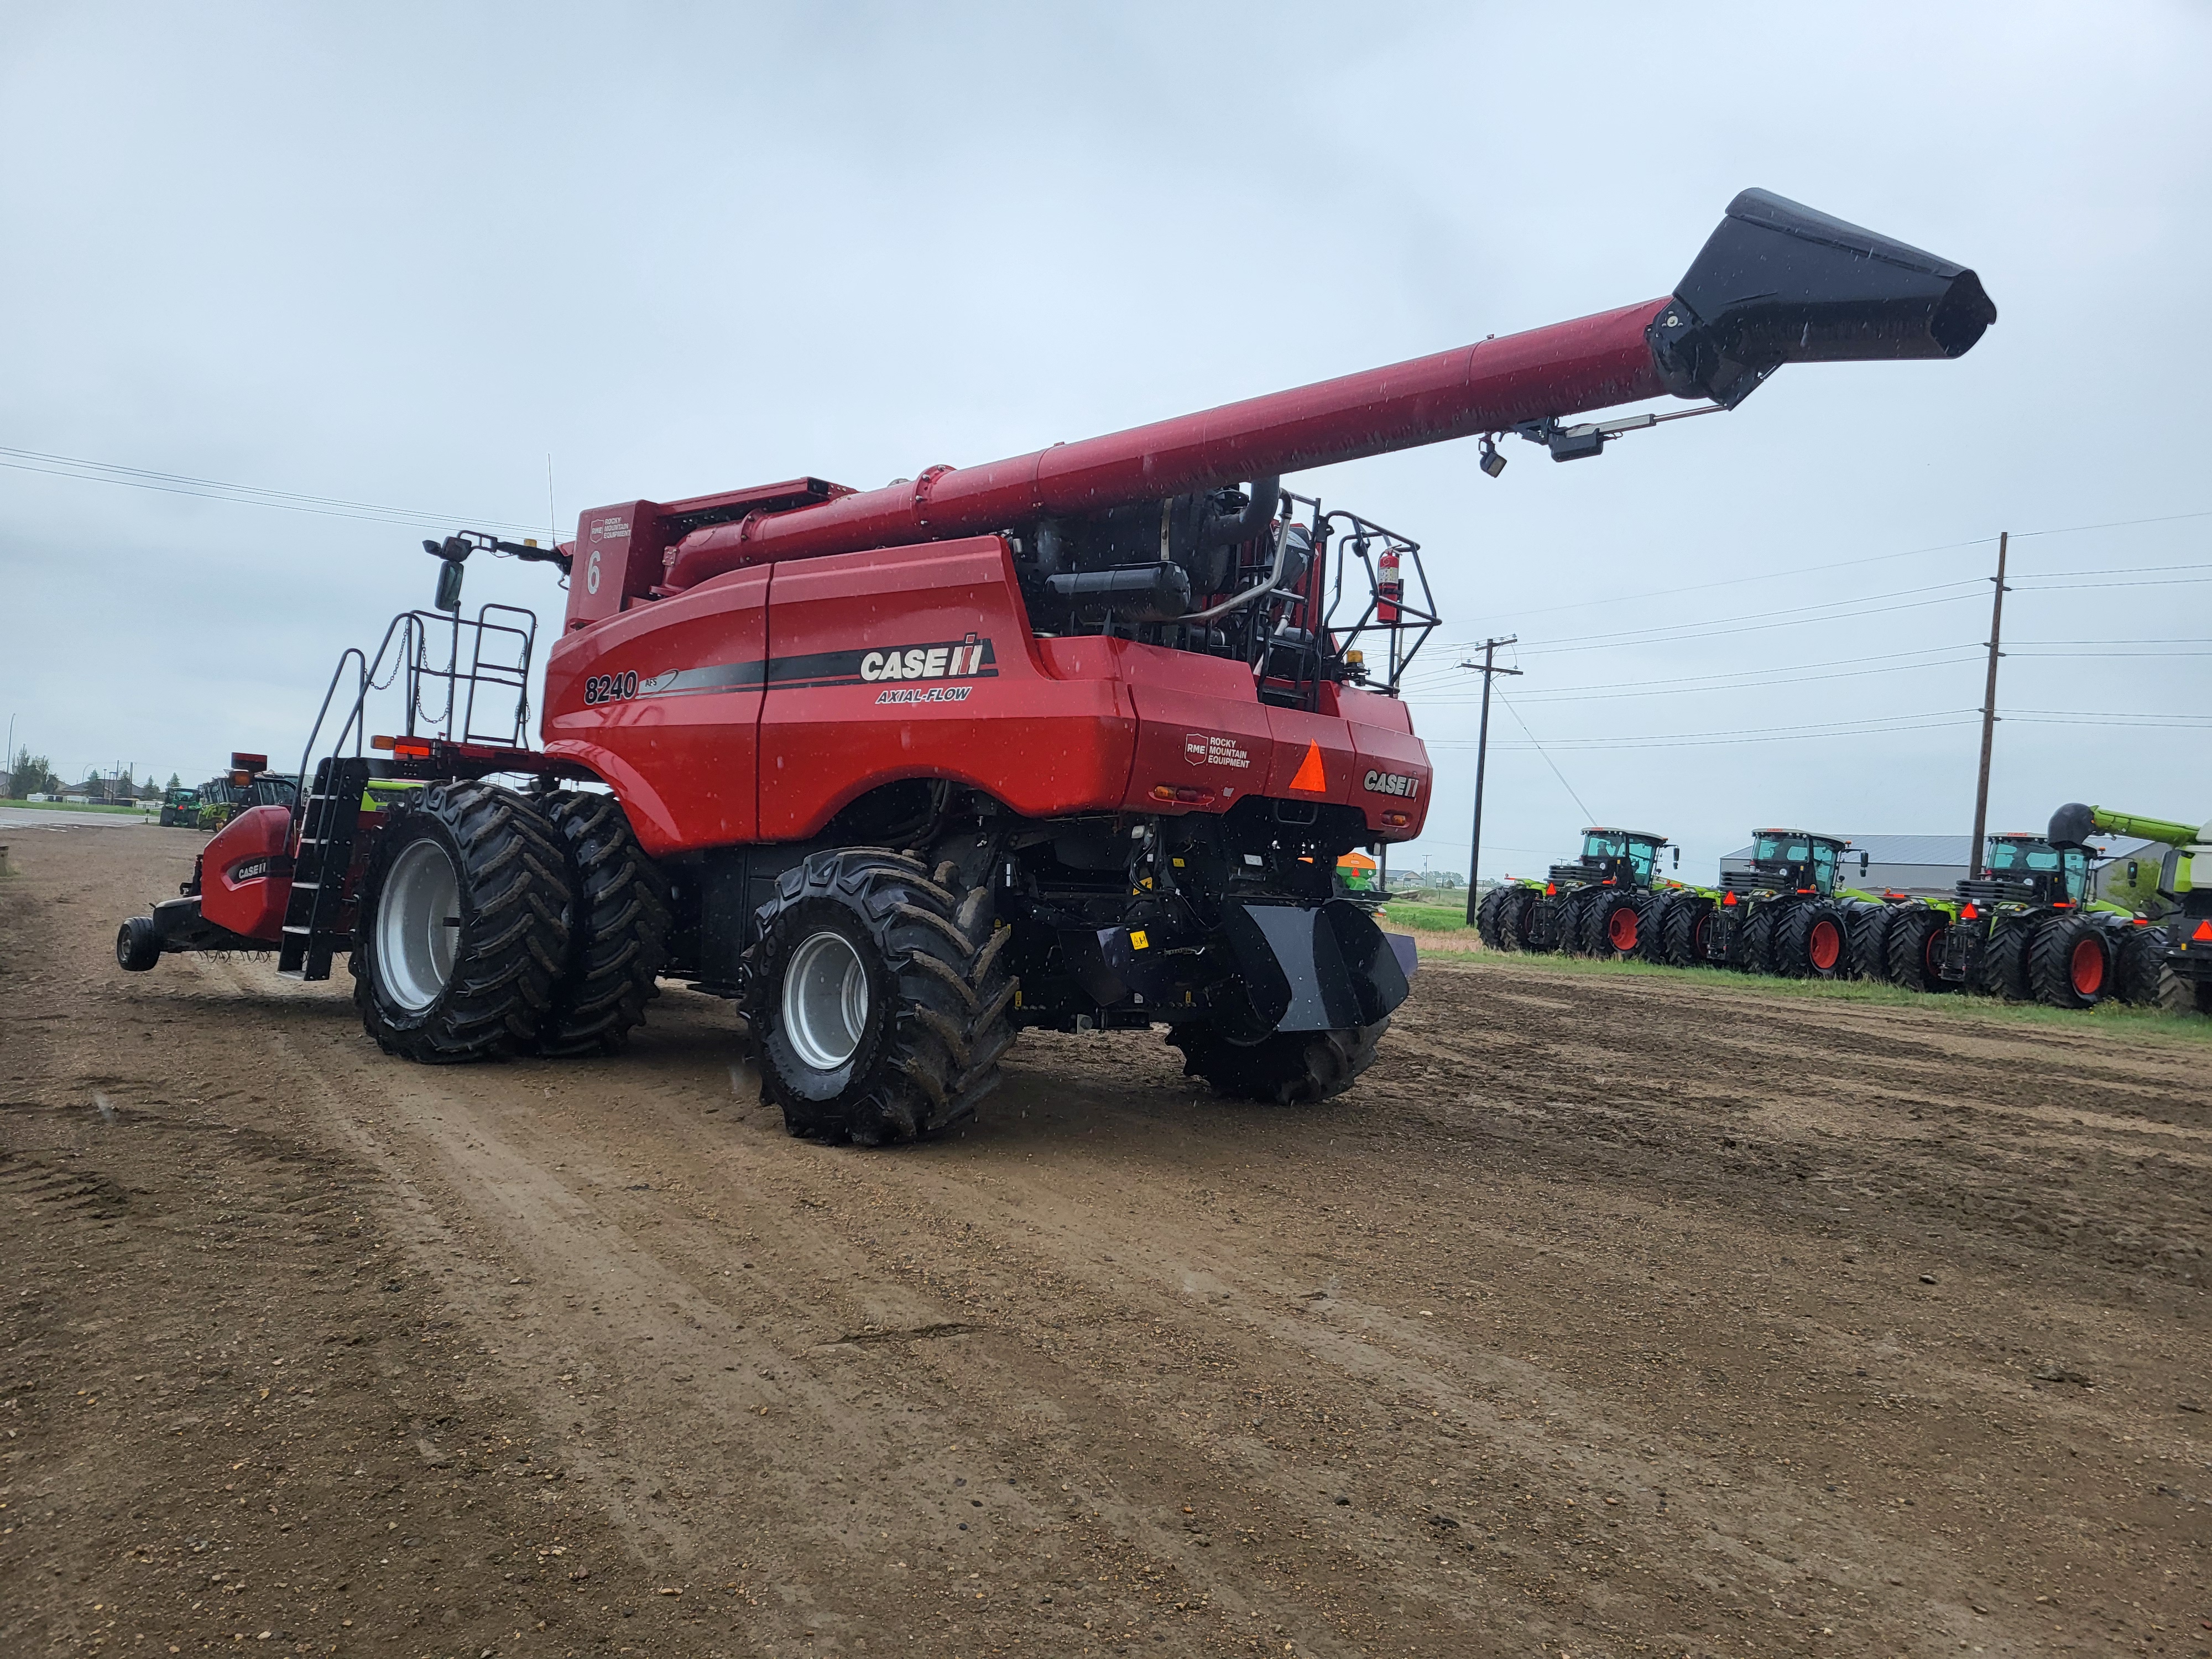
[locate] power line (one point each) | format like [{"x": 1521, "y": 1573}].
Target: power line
[
  {"x": 178, "y": 484},
  {"x": 1799, "y": 571},
  {"x": 1637, "y": 638},
  {"x": 1948, "y": 717},
  {"x": 1589, "y": 816},
  {"x": 1733, "y": 683}
]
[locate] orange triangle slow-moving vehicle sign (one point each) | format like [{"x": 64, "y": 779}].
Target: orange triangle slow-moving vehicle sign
[
  {"x": 2203, "y": 928},
  {"x": 1311, "y": 780}
]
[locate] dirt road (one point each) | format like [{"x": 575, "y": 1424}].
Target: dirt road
[{"x": 1607, "y": 1316}]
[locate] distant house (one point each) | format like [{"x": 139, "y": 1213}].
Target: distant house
[{"x": 1919, "y": 865}]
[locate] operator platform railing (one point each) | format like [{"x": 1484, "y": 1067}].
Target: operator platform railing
[{"x": 444, "y": 696}]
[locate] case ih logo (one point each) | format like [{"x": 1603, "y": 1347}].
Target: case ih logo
[
  {"x": 1391, "y": 783},
  {"x": 952, "y": 660}
]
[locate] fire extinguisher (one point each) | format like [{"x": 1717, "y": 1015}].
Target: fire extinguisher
[{"x": 1389, "y": 589}]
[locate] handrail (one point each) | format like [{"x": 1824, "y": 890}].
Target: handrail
[{"x": 409, "y": 633}]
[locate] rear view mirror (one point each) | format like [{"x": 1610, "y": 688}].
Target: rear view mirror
[
  {"x": 1862, "y": 863},
  {"x": 2134, "y": 872},
  {"x": 449, "y": 585},
  {"x": 1678, "y": 858}
]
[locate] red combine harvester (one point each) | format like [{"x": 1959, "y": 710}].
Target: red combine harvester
[{"x": 1075, "y": 739}]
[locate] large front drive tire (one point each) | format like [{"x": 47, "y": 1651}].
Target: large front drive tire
[
  {"x": 1287, "y": 1068},
  {"x": 462, "y": 936},
  {"x": 617, "y": 928},
  {"x": 878, "y": 996}
]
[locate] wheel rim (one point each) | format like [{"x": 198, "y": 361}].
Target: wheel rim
[
  {"x": 1828, "y": 944},
  {"x": 1621, "y": 930},
  {"x": 825, "y": 1000},
  {"x": 2088, "y": 967},
  {"x": 418, "y": 926}
]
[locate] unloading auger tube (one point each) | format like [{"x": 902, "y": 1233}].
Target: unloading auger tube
[
  {"x": 1074, "y": 740},
  {"x": 1776, "y": 283}
]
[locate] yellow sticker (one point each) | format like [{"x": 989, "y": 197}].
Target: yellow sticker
[{"x": 1137, "y": 937}]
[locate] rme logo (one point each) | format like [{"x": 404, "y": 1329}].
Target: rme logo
[
  {"x": 1392, "y": 783},
  {"x": 947, "y": 661}
]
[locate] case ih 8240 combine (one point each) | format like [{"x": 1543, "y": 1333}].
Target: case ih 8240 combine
[{"x": 1074, "y": 740}]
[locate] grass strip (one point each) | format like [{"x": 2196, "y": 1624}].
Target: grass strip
[{"x": 2109, "y": 1018}]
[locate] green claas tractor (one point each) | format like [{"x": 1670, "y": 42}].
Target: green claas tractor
[
  {"x": 2026, "y": 929},
  {"x": 1601, "y": 904},
  {"x": 1784, "y": 915},
  {"x": 2165, "y": 959}
]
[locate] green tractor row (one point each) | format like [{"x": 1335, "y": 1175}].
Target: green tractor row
[
  {"x": 1604, "y": 903},
  {"x": 2028, "y": 928},
  {"x": 1785, "y": 914}
]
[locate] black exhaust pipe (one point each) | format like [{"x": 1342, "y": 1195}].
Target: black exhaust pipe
[{"x": 1778, "y": 283}]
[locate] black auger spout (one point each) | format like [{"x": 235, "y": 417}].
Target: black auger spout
[{"x": 1778, "y": 283}]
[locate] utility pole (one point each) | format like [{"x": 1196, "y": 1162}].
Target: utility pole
[
  {"x": 1488, "y": 669},
  {"x": 1988, "y": 712}
]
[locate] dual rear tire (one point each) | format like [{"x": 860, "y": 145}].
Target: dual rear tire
[
  {"x": 1812, "y": 941},
  {"x": 2073, "y": 961},
  {"x": 1613, "y": 924}
]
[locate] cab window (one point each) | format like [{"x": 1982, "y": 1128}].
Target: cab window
[
  {"x": 1600, "y": 847},
  {"x": 1824, "y": 869},
  {"x": 2077, "y": 874},
  {"x": 1641, "y": 856}
]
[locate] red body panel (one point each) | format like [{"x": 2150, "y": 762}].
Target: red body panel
[
  {"x": 682, "y": 753},
  {"x": 835, "y": 728},
  {"x": 1592, "y": 362},
  {"x": 755, "y": 706},
  {"x": 256, "y": 846}
]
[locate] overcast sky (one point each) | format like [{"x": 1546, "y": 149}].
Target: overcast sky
[{"x": 401, "y": 255}]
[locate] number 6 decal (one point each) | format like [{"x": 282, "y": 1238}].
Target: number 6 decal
[{"x": 591, "y": 573}]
